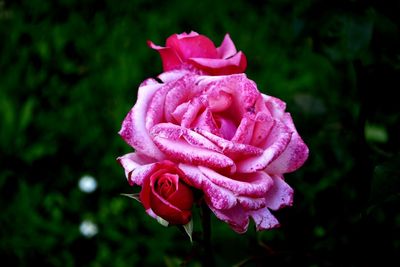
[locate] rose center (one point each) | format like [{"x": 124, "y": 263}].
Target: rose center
[{"x": 167, "y": 184}]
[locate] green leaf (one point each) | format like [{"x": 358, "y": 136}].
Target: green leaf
[
  {"x": 386, "y": 181},
  {"x": 162, "y": 221},
  {"x": 349, "y": 35},
  {"x": 375, "y": 133},
  {"x": 134, "y": 196},
  {"x": 26, "y": 113},
  {"x": 189, "y": 229}
]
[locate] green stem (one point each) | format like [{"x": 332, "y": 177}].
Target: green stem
[{"x": 208, "y": 255}]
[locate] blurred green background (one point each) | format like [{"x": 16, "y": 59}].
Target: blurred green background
[{"x": 69, "y": 72}]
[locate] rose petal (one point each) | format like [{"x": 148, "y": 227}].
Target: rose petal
[
  {"x": 182, "y": 198},
  {"x": 229, "y": 147},
  {"x": 252, "y": 184},
  {"x": 170, "y": 59},
  {"x": 245, "y": 131},
  {"x": 133, "y": 129},
  {"x": 206, "y": 122},
  {"x": 184, "y": 34},
  {"x": 218, "y": 100},
  {"x": 169, "y": 76},
  {"x": 155, "y": 110},
  {"x": 167, "y": 98},
  {"x": 280, "y": 195},
  {"x": 174, "y": 132},
  {"x": 243, "y": 90},
  {"x": 227, "y": 127},
  {"x": 181, "y": 151},
  {"x": 264, "y": 219},
  {"x": 133, "y": 160},
  {"x": 217, "y": 197},
  {"x": 137, "y": 167},
  {"x": 249, "y": 203},
  {"x": 190, "y": 46},
  {"x": 262, "y": 129},
  {"x": 275, "y": 105},
  {"x": 295, "y": 154},
  {"x": 177, "y": 96},
  {"x": 144, "y": 195},
  {"x": 193, "y": 109},
  {"x": 149, "y": 81},
  {"x": 277, "y": 142},
  {"x": 236, "y": 217},
  {"x": 180, "y": 91},
  {"x": 227, "y": 48},
  {"x": 168, "y": 212},
  {"x": 232, "y": 65}
]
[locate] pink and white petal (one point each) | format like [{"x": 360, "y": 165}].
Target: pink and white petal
[
  {"x": 244, "y": 131},
  {"x": 218, "y": 99},
  {"x": 155, "y": 110},
  {"x": 133, "y": 129},
  {"x": 245, "y": 92},
  {"x": 168, "y": 98},
  {"x": 249, "y": 203},
  {"x": 236, "y": 217},
  {"x": 209, "y": 80},
  {"x": 276, "y": 106},
  {"x": 180, "y": 91},
  {"x": 254, "y": 184},
  {"x": 292, "y": 158},
  {"x": 206, "y": 122},
  {"x": 193, "y": 176},
  {"x": 229, "y": 146},
  {"x": 173, "y": 75},
  {"x": 227, "y": 127},
  {"x": 175, "y": 97},
  {"x": 151, "y": 213},
  {"x": 263, "y": 219},
  {"x": 195, "y": 105},
  {"x": 175, "y": 132},
  {"x": 149, "y": 81},
  {"x": 137, "y": 167},
  {"x": 184, "y": 34},
  {"x": 179, "y": 150},
  {"x": 227, "y": 47},
  {"x": 218, "y": 197},
  {"x": 180, "y": 110},
  {"x": 138, "y": 175},
  {"x": 262, "y": 129},
  {"x": 276, "y": 144},
  {"x": 295, "y": 154},
  {"x": 133, "y": 160},
  {"x": 280, "y": 195}
]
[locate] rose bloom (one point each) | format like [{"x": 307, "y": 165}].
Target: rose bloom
[
  {"x": 228, "y": 140},
  {"x": 184, "y": 50},
  {"x": 164, "y": 194}
]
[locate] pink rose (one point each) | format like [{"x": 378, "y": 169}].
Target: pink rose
[
  {"x": 200, "y": 52},
  {"x": 229, "y": 140},
  {"x": 164, "y": 193}
]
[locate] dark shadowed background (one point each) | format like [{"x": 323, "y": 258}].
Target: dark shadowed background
[{"x": 69, "y": 72}]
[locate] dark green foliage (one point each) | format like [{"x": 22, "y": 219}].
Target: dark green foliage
[{"x": 69, "y": 72}]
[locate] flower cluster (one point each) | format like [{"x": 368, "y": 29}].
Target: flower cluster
[{"x": 204, "y": 125}]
